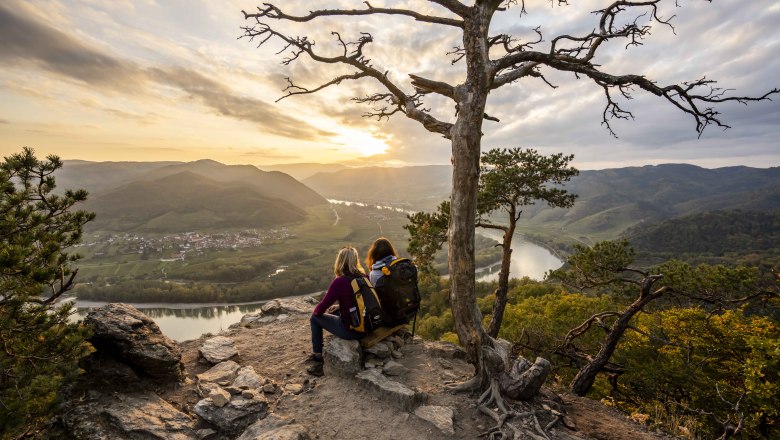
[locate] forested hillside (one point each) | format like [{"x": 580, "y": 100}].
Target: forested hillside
[
  {"x": 268, "y": 183},
  {"x": 185, "y": 202},
  {"x": 611, "y": 201},
  {"x": 734, "y": 236}
]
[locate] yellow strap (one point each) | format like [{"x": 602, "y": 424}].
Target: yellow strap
[{"x": 396, "y": 261}]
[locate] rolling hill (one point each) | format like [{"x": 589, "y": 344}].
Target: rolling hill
[
  {"x": 187, "y": 201},
  {"x": 185, "y": 196},
  {"x": 272, "y": 184},
  {"x": 101, "y": 177}
]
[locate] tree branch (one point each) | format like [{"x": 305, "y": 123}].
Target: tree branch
[
  {"x": 273, "y": 12},
  {"x": 424, "y": 85},
  {"x": 408, "y": 104},
  {"x": 692, "y": 97}
]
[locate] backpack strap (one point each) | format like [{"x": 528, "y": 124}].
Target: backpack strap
[{"x": 397, "y": 260}]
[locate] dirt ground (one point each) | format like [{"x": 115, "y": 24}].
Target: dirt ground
[{"x": 332, "y": 407}]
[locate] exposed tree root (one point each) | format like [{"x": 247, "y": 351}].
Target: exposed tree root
[
  {"x": 504, "y": 416},
  {"x": 468, "y": 386}
]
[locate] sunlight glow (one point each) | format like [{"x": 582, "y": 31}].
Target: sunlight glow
[{"x": 361, "y": 142}]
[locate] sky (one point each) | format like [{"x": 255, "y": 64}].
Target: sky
[{"x": 150, "y": 80}]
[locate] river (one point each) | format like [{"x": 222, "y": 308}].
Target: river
[{"x": 528, "y": 259}]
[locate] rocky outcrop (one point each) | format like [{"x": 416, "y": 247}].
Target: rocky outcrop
[
  {"x": 383, "y": 386},
  {"x": 122, "y": 333},
  {"x": 217, "y": 349},
  {"x": 122, "y": 416}
]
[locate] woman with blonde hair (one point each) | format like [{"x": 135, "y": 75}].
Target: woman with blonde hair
[{"x": 346, "y": 268}]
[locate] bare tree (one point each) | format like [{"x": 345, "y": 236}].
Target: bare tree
[{"x": 491, "y": 62}]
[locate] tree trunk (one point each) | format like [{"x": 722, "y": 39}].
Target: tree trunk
[
  {"x": 503, "y": 281},
  {"x": 466, "y": 140},
  {"x": 584, "y": 379}
]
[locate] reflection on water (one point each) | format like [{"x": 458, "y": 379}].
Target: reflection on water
[
  {"x": 183, "y": 322},
  {"x": 528, "y": 259}
]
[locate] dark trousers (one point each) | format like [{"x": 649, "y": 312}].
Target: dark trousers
[{"x": 331, "y": 323}]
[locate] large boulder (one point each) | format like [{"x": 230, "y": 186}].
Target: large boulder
[
  {"x": 122, "y": 332},
  {"x": 127, "y": 416}
]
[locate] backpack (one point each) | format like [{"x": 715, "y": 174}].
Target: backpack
[
  {"x": 398, "y": 292},
  {"x": 366, "y": 314}
]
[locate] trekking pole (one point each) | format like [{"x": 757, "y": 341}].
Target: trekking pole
[{"x": 414, "y": 326}]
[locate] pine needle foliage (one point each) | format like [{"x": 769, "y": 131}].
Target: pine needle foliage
[{"x": 39, "y": 347}]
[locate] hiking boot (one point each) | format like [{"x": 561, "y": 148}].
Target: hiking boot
[
  {"x": 315, "y": 370},
  {"x": 314, "y": 357}
]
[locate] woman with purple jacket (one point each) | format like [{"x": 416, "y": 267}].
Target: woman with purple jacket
[{"x": 346, "y": 268}]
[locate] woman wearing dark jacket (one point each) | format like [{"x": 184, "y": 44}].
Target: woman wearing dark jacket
[
  {"x": 380, "y": 254},
  {"x": 346, "y": 268}
]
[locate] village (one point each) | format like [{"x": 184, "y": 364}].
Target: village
[{"x": 175, "y": 247}]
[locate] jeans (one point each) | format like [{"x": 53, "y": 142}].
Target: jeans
[{"x": 331, "y": 323}]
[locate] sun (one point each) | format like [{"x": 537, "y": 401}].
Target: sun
[{"x": 363, "y": 143}]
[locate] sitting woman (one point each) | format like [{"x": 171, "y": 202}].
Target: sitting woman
[
  {"x": 346, "y": 268},
  {"x": 380, "y": 254}
]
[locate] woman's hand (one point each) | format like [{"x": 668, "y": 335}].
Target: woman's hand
[{"x": 333, "y": 310}]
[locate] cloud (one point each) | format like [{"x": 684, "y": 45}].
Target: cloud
[
  {"x": 224, "y": 102},
  {"x": 4, "y": 121},
  {"x": 26, "y": 41}
]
